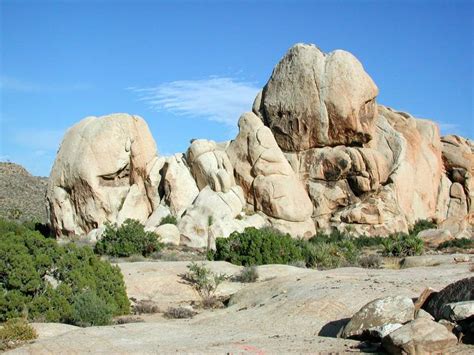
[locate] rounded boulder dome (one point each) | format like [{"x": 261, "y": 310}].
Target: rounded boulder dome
[
  {"x": 102, "y": 172},
  {"x": 315, "y": 99}
]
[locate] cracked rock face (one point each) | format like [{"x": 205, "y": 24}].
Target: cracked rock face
[
  {"x": 315, "y": 99},
  {"x": 104, "y": 171}
]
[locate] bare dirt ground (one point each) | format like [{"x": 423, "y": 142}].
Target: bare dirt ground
[{"x": 288, "y": 310}]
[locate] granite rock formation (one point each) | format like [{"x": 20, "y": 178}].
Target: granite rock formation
[{"x": 316, "y": 153}]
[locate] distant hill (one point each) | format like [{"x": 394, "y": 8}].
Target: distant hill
[{"x": 22, "y": 195}]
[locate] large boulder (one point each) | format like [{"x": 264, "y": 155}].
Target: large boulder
[
  {"x": 268, "y": 181},
  {"x": 434, "y": 237},
  {"x": 180, "y": 189},
  {"x": 379, "y": 313},
  {"x": 105, "y": 170},
  {"x": 421, "y": 336},
  {"x": 210, "y": 165},
  {"x": 459, "y": 291},
  {"x": 209, "y": 209},
  {"x": 313, "y": 99}
]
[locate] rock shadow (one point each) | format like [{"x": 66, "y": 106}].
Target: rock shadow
[{"x": 332, "y": 328}]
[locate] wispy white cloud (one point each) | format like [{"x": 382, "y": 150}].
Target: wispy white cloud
[
  {"x": 220, "y": 99},
  {"x": 14, "y": 84}
]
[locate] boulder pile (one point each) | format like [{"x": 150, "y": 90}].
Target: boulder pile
[
  {"x": 316, "y": 153},
  {"x": 434, "y": 323}
]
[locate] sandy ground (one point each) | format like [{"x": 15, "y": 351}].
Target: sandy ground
[{"x": 288, "y": 310}]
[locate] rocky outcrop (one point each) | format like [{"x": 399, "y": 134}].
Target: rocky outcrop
[
  {"x": 316, "y": 153},
  {"x": 314, "y": 100},
  {"x": 102, "y": 173}
]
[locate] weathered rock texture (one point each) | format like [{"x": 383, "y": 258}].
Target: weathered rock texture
[
  {"x": 316, "y": 153},
  {"x": 104, "y": 171}
]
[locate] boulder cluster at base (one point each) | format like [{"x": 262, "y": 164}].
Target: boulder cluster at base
[{"x": 315, "y": 153}]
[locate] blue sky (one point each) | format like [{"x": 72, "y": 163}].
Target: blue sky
[{"x": 191, "y": 67}]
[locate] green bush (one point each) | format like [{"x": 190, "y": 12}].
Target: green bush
[
  {"x": 401, "y": 245},
  {"x": 257, "y": 247},
  {"x": 128, "y": 239},
  {"x": 326, "y": 251},
  {"x": 461, "y": 243},
  {"x": 422, "y": 225},
  {"x": 41, "y": 278},
  {"x": 169, "y": 219},
  {"x": 90, "y": 310}
]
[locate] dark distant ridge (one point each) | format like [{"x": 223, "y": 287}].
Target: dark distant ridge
[{"x": 22, "y": 195}]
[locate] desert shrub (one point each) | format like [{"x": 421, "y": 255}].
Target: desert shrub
[
  {"x": 135, "y": 258},
  {"x": 179, "y": 313},
  {"x": 372, "y": 261},
  {"x": 325, "y": 255},
  {"x": 257, "y": 247},
  {"x": 145, "y": 307},
  {"x": 169, "y": 219},
  {"x": 128, "y": 319},
  {"x": 40, "y": 278},
  {"x": 422, "y": 225},
  {"x": 16, "y": 331},
  {"x": 462, "y": 243},
  {"x": 326, "y": 251},
  {"x": 402, "y": 245},
  {"x": 205, "y": 282},
  {"x": 359, "y": 242},
  {"x": 248, "y": 274},
  {"x": 128, "y": 239},
  {"x": 90, "y": 310}
]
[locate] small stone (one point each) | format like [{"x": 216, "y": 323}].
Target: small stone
[
  {"x": 458, "y": 311},
  {"x": 462, "y": 258}
]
